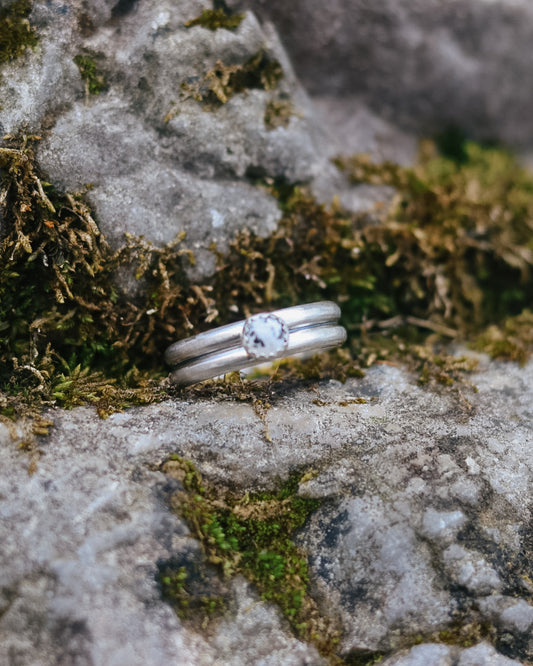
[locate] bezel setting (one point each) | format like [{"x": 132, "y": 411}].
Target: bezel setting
[{"x": 265, "y": 336}]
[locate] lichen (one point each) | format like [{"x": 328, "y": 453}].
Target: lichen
[
  {"x": 252, "y": 535},
  {"x": 93, "y": 78},
  {"x": 214, "y": 19},
  {"x": 17, "y": 35}
]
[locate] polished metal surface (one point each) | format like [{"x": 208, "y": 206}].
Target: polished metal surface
[
  {"x": 227, "y": 337},
  {"x": 303, "y": 341}
]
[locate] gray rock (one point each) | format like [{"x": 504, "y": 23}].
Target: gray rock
[
  {"x": 469, "y": 569},
  {"x": 154, "y": 161},
  {"x": 423, "y": 655},
  {"x": 420, "y": 64},
  {"x": 374, "y": 571},
  {"x": 399, "y": 550},
  {"x": 443, "y": 655},
  {"x": 442, "y": 525},
  {"x": 45, "y": 80},
  {"x": 512, "y": 615},
  {"x": 136, "y": 188},
  {"x": 484, "y": 655},
  {"x": 256, "y": 635},
  {"x": 78, "y": 569}
]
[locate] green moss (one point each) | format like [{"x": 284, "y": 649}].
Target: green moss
[
  {"x": 178, "y": 588},
  {"x": 213, "y": 19},
  {"x": 173, "y": 584},
  {"x": 16, "y": 33},
  {"x": 466, "y": 634},
  {"x": 93, "y": 78},
  {"x": 252, "y": 535},
  {"x": 222, "y": 82}
]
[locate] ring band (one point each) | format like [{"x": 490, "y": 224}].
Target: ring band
[{"x": 264, "y": 337}]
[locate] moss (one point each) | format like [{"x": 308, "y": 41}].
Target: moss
[
  {"x": 457, "y": 246},
  {"x": 466, "y": 634},
  {"x": 16, "y": 33},
  {"x": 93, "y": 78},
  {"x": 59, "y": 340},
  {"x": 451, "y": 259},
  {"x": 365, "y": 658},
  {"x": 510, "y": 340},
  {"x": 252, "y": 535},
  {"x": 173, "y": 589},
  {"x": 278, "y": 113},
  {"x": 213, "y": 19},
  {"x": 222, "y": 82},
  {"x": 177, "y": 587}
]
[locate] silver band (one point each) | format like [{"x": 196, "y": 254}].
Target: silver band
[{"x": 297, "y": 330}]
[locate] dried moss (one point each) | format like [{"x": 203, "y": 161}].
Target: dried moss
[
  {"x": 214, "y": 19},
  {"x": 451, "y": 258},
  {"x": 94, "y": 79},
  {"x": 466, "y": 634},
  {"x": 457, "y": 246},
  {"x": 222, "y": 82},
  {"x": 252, "y": 535},
  {"x": 278, "y": 113},
  {"x": 16, "y": 33},
  {"x": 511, "y": 340},
  {"x": 65, "y": 331}
]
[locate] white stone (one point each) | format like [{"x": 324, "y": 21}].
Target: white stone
[
  {"x": 442, "y": 525},
  {"x": 265, "y": 336}
]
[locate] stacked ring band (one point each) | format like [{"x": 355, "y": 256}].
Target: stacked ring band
[{"x": 301, "y": 329}]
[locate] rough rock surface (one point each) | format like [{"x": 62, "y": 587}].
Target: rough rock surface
[
  {"x": 426, "y": 527},
  {"x": 421, "y": 64},
  {"x": 154, "y": 161},
  {"x": 426, "y": 533}
]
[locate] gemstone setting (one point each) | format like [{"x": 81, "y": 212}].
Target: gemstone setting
[{"x": 265, "y": 336}]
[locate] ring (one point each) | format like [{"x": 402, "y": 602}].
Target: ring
[{"x": 263, "y": 337}]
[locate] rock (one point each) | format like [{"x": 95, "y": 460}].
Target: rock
[
  {"x": 256, "y": 635},
  {"x": 424, "y": 524},
  {"x": 443, "y": 655},
  {"x": 37, "y": 85},
  {"x": 153, "y": 159},
  {"x": 78, "y": 571},
  {"x": 422, "y": 655},
  {"x": 514, "y": 619},
  {"x": 470, "y": 570},
  {"x": 422, "y": 65},
  {"x": 371, "y": 563},
  {"x": 441, "y": 525},
  {"x": 483, "y": 655}
]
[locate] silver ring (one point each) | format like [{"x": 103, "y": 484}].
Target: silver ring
[{"x": 263, "y": 337}]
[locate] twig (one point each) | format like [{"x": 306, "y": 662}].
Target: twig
[
  {"x": 399, "y": 320},
  {"x": 46, "y": 200}
]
